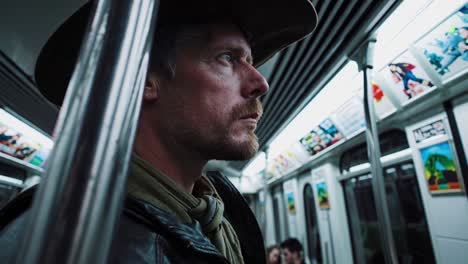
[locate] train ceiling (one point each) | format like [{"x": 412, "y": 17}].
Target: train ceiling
[{"x": 295, "y": 75}]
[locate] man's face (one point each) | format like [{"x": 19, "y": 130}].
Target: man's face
[
  {"x": 290, "y": 257},
  {"x": 211, "y": 106}
]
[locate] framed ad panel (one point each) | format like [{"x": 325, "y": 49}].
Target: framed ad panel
[
  {"x": 322, "y": 195},
  {"x": 436, "y": 155}
]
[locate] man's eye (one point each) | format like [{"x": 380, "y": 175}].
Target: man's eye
[{"x": 226, "y": 56}]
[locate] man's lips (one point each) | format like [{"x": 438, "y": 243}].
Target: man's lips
[{"x": 254, "y": 116}]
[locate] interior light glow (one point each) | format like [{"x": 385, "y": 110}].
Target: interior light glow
[
  {"x": 256, "y": 165},
  {"x": 341, "y": 88}
]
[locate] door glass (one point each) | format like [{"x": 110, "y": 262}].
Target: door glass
[
  {"x": 407, "y": 217},
  {"x": 313, "y": 236}
]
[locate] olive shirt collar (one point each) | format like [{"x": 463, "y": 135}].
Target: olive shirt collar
[{"x": 203, "y": 205}]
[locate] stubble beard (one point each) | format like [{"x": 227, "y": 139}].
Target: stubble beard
[{"x": 225, "y": 146}]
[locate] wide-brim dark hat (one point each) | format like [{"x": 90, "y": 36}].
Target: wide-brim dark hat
[{"x": 271, "y": 25}]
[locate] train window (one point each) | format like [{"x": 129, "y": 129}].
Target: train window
[
  {"x": 409, "y": 226},
  {"x": 6, "y": 193},
  {"x": 12, "y": 172},
  {"x": 313, "y": 235},
  {"x": 390, "y": 142}
]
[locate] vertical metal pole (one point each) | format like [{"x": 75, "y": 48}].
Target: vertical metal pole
[
  {"x": 332, "y": 247},
  {"x": 79, "y": 202},
  {"x": 265, "y": 193},
  {"x": 373, "y": 151}
]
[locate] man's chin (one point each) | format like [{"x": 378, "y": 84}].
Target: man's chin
[
  {"x": 245, "y": 150},
  {"x": 237, "y": 150}
]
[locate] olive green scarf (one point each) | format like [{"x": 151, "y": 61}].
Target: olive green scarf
[{"x": 203, "y": 205}]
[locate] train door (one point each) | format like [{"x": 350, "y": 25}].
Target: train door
[
  {"x": 331, "y": 214},
  {"x": 312, "y": 246},
  {"x": 407, "y": 215},
  {"x": 440, "y": 164}
]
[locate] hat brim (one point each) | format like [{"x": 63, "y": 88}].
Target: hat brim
[{"x": 271, "y": 25}]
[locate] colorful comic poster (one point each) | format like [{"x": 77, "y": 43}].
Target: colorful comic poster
[
  {"x": 440, "y": 169},
  {"x": 428, "y": 131},
  {"x": 22, "y": 142},
  {"x": 446, "y": 47},
  {"x": 291, "y": 203},
  {"x": 16, "y": 144},
  {"x": 320, "y": 138},
  {"x": 406, "y": 78},
  {"x": 322, "y": 193}
]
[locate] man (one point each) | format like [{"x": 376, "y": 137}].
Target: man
[
  {"x": 200, "y": 102},
  {"x": 292, "y": 251}
]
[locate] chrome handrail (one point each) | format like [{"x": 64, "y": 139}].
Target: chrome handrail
[{"x": 78, "y": 205}]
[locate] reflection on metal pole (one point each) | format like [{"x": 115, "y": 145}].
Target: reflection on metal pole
[
  {"x": 265, "y": 193},
  {"x": 78, "y": 205},
  {"x": 364, "y": 57}
]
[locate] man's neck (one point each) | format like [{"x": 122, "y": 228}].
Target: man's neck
[{"x": 169, "y": 157}]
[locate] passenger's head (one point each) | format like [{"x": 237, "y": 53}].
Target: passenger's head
[
  {"x": 292, "y": 251},
  {"x": 202, "y": 89},
  {"x": 273, "y": 255},
  {"x": 203, "y": 78}
]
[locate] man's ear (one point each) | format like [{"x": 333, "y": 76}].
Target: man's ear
[{"x": 151, "y": 92}]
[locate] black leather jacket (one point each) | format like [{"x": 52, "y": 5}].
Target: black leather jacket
[{"x": 147, "y": 234}]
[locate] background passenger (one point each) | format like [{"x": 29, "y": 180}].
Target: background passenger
[
  {"x": 293, "y": 252},
  {"x": 273, "y": 255}
]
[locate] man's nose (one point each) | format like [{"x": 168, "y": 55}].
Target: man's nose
[{"x": 255, "y": 85}]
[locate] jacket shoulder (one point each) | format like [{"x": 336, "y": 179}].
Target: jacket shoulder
[{"x": 144, "y": 234}]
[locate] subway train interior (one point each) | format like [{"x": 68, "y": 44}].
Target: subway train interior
[{"x": 363, "y": 141}]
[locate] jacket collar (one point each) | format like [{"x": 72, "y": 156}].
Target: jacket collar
[{"x": 189, "y": 236}]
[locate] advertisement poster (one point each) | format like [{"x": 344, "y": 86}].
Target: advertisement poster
[
  {"x": 20, "y": 141},
  {"x": 320, "y": 138},
  {"x": 383, "y": 106},
  {"x": 428, "y": 131},
  {"x": 350, "y": 116},
  {"x": 289, "y": 188},
  {"x": 440, "y": 169},
  {"x": 406, "y": 78},
  {"x": 291, "y": 203},
  {"x": 15, "y": 144},
  {"x": 446, "y": 47},
  {"x": 322, "y": 193}
]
